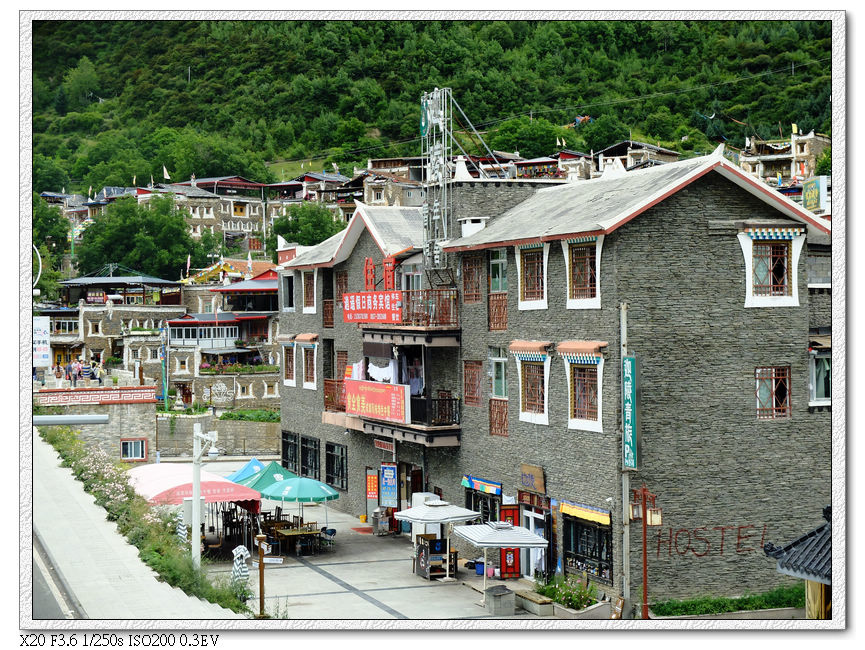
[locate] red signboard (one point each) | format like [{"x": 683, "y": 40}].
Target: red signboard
[
  {"x": 383, "y": 445},
  {"x": 372, "y": 307},
  {"x": 377, "y": 400},
  {"x": 372, "y": 486}
]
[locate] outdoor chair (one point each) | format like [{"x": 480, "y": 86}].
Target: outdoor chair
[
  {"x": 326, "y": 537},
  {"x": 274, "y": 545}
]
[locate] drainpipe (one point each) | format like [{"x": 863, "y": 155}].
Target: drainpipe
[{"x": 626, "y": 511}]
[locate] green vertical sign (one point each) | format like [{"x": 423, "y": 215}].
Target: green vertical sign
[{"x": 630, "y": 414}]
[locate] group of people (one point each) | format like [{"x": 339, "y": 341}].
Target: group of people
[{"x": 80, "y": 369}]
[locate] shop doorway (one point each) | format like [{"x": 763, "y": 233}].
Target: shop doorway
[{"x": 534, "y": 559}]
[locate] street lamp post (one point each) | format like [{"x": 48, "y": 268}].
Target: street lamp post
[
  {"x": 197, "y": 453},
  {"x": 643, "y": 508}
]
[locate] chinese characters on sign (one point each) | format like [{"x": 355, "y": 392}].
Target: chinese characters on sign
[
  {"x": 389, "y": 493},
  {"x": 630, "y": 420},
  {"x": 372, "y": 487},
  {"x": 372, "y": 307},
  {"x": 378, "y": 400},
  {"x": 41, "y": 342}
]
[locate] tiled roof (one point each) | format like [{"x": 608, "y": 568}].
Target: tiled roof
[
  {"x": 603, "y": 204},
  {"x": 258, "y": 266},
  {"x": 810, "y": 556}
]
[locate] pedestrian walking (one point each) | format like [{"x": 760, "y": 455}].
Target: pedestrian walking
[
  {"x": 98, "y": 372},
  {"x": 75, "y": 373},
  {"x": 86, "y": 373}
]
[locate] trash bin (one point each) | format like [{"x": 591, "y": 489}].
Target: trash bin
[
  {"x": 479, "y": 568},
  {"x": 500, "y": 601}
]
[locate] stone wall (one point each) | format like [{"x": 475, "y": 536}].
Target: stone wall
[
  {"x": 236, "y": 437},
  {"x": 125, "y": 421},
  {"x": 720, "y": 479}
]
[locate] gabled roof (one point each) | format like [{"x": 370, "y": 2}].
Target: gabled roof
[
  {"x": 185, "y": 190},
  {"x": 601, "y": 205},
  {"x": 810, "y": 556},
  {"x": 624, "y": 145},
  {"x": 323, "y": 176},
  {"x": 117, "y": 281},
  {"x": 395, "y": 230}
]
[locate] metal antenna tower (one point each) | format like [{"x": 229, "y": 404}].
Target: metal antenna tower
[{"x": 437, "y": 138}]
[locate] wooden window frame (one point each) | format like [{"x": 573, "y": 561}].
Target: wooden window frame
[
  {"x": 309, "y": 379},
  {"x": 472, "y": 373},
  {"x": 288, "y": 292},
  {"x": 288, "y": 361},
  {"x": 472, "y": 269},
  {"x": 309, "y": 292},
  {"x": 582, "y": 278},
  {"x": 499, "y": 259},
  {"x": 777, "y": 380},
  {"x": 532, "y": 387},
  {"x": 532, "y": 275},
  {"x": 310, "y": 457},
  {"x": 777, "y": 254},
  {"x": 584, "y": 392},
  {"x": 340, "y": 285}
]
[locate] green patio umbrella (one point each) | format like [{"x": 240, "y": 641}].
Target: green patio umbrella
[
  {"x": 301, "y": 490},
  {"x": 273, "y": 473}
]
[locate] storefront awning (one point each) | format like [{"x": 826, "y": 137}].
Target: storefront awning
[
  {"x": 481, "y": 485},
  {"x": 309, "y": 337},
  {"x": 225, "y": 350},
  {"x": 582, "y": 511},
  {"x": 820, "y": 342},
  {"x": 538, "y": 347}
]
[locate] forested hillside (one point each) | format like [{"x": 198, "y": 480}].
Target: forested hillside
[{"x": 113, "y": 101}]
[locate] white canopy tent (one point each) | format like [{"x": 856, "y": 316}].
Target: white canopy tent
[
  {"x": 498, "y": 534},
  {"x": 437, "y": 512}
]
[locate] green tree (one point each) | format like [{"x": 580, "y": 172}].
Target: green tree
[
  {"x": 150, "y": 238},
  {"x": 50, "y": 276},
  {"x": 306, "y": 224},
  {"x": 605, "y": 131},
  {"x": 48, "y": 175},
  {"x": 50, "y": 228},
  {"x": 81, "y": 84},
  {"x": 824, "y": 163},
  {"x": 531, "y": 137}
]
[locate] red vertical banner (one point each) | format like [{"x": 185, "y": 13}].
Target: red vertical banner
[
  {"x": 388, "y": 273},
  {"x": 369, "y": 274},
  {"x": 509, "y": 560},
  {"x": 372, "y": 486}
]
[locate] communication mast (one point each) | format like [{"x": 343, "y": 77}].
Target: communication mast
[{"x": 437, "y": 145}]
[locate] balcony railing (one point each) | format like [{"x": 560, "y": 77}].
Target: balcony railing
[
  {"x": 334, "y": 395},
  {"x": 498, "y": 311},
  {"x": 435, "y": 412},
  {"x": 327, "y": 312},
  {"x": 430, "y": 307}
]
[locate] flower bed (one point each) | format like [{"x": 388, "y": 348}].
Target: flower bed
[
  {"x": 780, "y": 597},
  {"x": 251, "y": 415},
  {"x": 236, "y": 368},
  {"x": 151, "y": 529},
  {"x": 570, "y": 592}
]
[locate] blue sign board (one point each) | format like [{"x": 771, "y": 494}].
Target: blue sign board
[
  {"x": 630, "y": 414},
  {"x": 388, "y": 488}
]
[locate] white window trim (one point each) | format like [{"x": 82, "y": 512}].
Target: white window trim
[
  {"x": 526, "y": 305},
  {"x": 285, "y": 353},
  {"x": 812, "y": 382},
  {"x": 309, "y": 310},
  {"x": 535, "y": 418},
  {"x": 583, "y": 303},
  {"x": 751, "y": 300},
  {"x": 579, "y": 423},
  {"x": 250, "y": 393},
  {"x": 309, "y": 385}
]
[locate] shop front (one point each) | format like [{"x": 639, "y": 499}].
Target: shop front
[{"x": 587, "y": 542}]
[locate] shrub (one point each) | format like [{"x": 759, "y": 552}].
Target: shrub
[
  {"x": 251, "y": 415},
  {"x": 569, "y": 592},
  {"x": 785, "y": 596},
  {"x": 151, "y": 529}
]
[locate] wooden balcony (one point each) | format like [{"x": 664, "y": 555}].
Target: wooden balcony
[
  {"x": 430, "y": 308},
  {"x": 327, "y": 312},
  {"x": 435, "y": 412},
  {"x": 497, "y": 311},
  {"x": 334, "y": 395}
]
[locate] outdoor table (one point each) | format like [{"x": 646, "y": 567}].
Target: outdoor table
[{"x": 291, "y": 535}]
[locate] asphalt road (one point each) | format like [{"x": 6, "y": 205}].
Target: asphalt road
[{"x": 50, "y": 600}]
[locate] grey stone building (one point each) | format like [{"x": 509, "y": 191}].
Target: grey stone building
[{"x": 505, "y": 369}]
